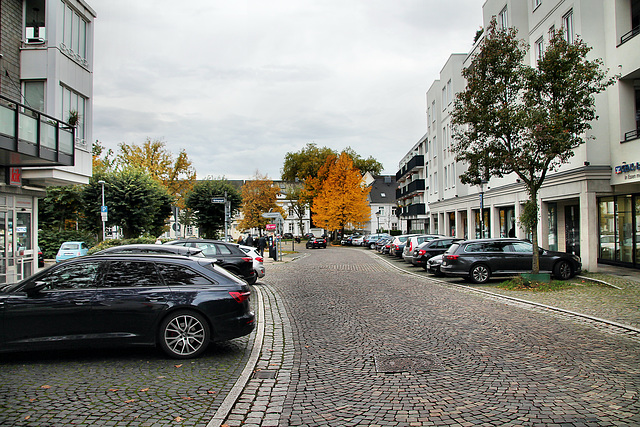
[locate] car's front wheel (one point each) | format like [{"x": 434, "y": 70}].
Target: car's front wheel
[
  {"x": 562, "y": 270},
  {"x": 480, "y": 273},
  {"x": 184, "y": 334}
]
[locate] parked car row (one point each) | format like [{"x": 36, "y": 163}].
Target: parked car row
[{"x": 477, "y": 260}]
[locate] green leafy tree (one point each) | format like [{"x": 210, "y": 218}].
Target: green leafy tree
[
  {"x": 61, "y": 209},
  {"x": 513, "y": 118},
  {"x": 103, "y": 159},
  {"x": 137, "y": 203},
  {"x": 308, "y": 161},
  {"x": 209, "y": 217}
]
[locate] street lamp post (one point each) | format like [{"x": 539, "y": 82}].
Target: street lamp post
[
  {"x": 103, "y": 211},
  {"x": 378, "y": 219},
  {"x": 482, "y": 184}
]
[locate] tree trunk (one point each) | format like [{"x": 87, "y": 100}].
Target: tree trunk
[{"x": 535, "y": 267}]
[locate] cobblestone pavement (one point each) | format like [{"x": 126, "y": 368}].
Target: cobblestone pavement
[
  {"x": 352, "y": 341},
  {"x": 124, "y": 387},
  {"x": 618, "y": 303}
]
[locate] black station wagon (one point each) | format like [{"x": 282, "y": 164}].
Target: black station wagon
[
  {"x": 177, "y": 303},
  {"x": 481, "y": 259}
]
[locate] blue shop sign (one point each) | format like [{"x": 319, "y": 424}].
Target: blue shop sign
[{"x": 631, "y": 167}]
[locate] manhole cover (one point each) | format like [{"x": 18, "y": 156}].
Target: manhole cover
[
  {"x": 391, "y": 364},
  {"x": 265, "y": 374}
]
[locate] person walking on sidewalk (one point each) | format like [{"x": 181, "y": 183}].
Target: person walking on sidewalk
[{"x": 262, "y": 243}]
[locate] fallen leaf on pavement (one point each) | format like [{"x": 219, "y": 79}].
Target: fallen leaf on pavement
[
  {"x": 145, "y": 389},
  {"x": 178, "y": 366},
  {"x": 46, "y": 387}
]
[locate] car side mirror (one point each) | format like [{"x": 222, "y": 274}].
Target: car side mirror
[{"x": 34, "y": 288}]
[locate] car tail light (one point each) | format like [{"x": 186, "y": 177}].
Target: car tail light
[
  {"x": 259, "y": 259},
  {"x": 247, "y": 259},
  {"x": 422, "y": 252},
  {"x": 240, "y": 297},
  {"x": 451, "y": 257}
]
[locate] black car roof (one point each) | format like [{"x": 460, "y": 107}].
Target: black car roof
[{"x": 176, "y": 249}]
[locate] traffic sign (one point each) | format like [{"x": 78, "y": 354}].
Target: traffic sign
[
  {"x": 271, "y": 227},
  {"x": 217, "y": 200},
  {"x": 271, "y": 215},
  {"x": 103, "y": 209}
]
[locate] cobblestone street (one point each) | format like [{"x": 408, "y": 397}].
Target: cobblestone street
[{"x": 370, "y": 345}]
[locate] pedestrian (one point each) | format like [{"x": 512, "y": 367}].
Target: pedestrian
[
  {"x": 240, "y": 240},
  {"x": 262, "y": 243},
  {"x": 249, "y": 240}
]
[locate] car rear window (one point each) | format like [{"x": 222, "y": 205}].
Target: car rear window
[
  {"x": 453, "y": 248},
  {"x": 70, "y": 246}
]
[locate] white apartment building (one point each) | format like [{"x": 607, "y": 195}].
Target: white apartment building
[
  {"x": 591, "y": 206},
  {"x": 46, "y": 78}
]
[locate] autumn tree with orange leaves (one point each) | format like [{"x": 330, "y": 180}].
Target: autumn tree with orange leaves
[
  {"x": 176, "y": 174},
  {"x": 258, "y": 197},
  {"x": 341, "y": 199}
]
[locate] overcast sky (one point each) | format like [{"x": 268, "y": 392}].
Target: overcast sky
[{"x": 238, "y": 84}]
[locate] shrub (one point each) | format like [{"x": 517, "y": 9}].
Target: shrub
[{"x": 118, "y": 242}]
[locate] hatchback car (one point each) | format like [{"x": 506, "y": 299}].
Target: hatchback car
[
  {"x": 481, "y": 259},
  {"x": 70, "y": 250},
  {"x": 398, "y": 243},
  {"x": 316, "y": 242},
  {"x": 227, "y": 255},
  {"x": 428, "y": 249},
  {"x": 177, "y": 303}
]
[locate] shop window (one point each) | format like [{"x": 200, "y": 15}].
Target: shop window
[
  {"x": 23, "y": 231},
  {"x": 624, "y": 227},
  {"x": 552, "y": 217},
  {"x": 607, "y": 229}
]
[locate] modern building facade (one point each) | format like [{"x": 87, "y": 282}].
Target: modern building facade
[
  {"x": 46, "y": 91},
  {"x": 591, "y": 205}
]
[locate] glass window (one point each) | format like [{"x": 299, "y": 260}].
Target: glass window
[
  {"x": 607, "y": 229},
  {"x": 208, "y": 249},
  {"x": 523, "y": 247},
  {"x": 74, "y": 34},
  {"x": 23, "y": 230},
  {"x": 124, "y": 274},
  {"x": 567, "y": 27},
  {"x": 539, "y": 49},
  {"x": 34, "y": 94},
  {"x": 502, "y": 19},
  {"x": 624, "y": 223},
  {"x": 179, "y": 275},
  {"x": 72, "y": 101},
  {"x": 78, "y": 275}
]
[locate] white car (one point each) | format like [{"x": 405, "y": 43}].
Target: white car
[
  {"x": 258, "y": 265},
  {"x": 357, "y": 241}
]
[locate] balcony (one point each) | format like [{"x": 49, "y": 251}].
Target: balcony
[
  {"x": 628, "y": 36},
  {"x": 411, "y": 189},
  {"x": 29, "y": 138},
  {"x": 414, "y": 210},
  {"x": 414, "y": 164}
]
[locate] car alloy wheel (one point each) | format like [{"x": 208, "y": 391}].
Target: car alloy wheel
[
  {"x": 480, "y": 273},
  {"x": 184, "y": 334},
  {"x": 562, "y": 270}
]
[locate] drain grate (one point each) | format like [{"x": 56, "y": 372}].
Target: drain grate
[
  {"x": 393, "y": 364},
  {"x": 265, "y": 374}
]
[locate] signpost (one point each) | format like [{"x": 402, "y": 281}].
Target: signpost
[
  {"x": 279, "y": 223},
  {"x": 227, "y": 212}
]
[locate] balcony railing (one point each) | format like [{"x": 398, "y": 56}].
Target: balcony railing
[
  {"x": 414, "y": 210},
  {"x": 33, "y": 138},
  {"x": 415, "y": 186},
  {"x": 415, "y": 162},
  {"x": 632, "y": 134},
  {"x": 628, "y": 36}
]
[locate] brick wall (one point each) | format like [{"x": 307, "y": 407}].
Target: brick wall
[{"x": 10, "y": 42}]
